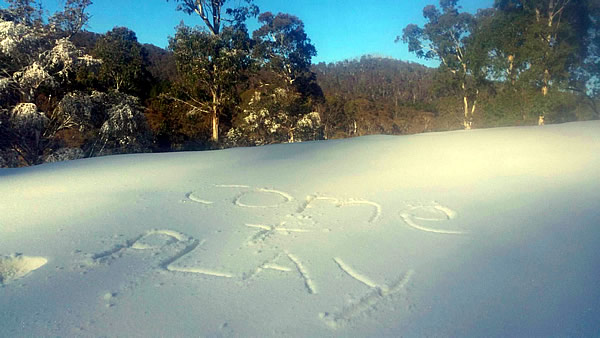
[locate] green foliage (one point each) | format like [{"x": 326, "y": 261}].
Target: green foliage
[
  {"x": 451, "y": 37},
  {"x": 279, "y": 104},
  {"x": 547, "y": 40},
  {"x": 509, "y": 108},
  {"x": 208, "y": 63},
  {"x": 283, "y": 47},
  {"x": 443, "y": 37},
  {"x": 523, "y": 106},
  {"x": 122, "y": 66},
  {"x": 210, "y": 68}
]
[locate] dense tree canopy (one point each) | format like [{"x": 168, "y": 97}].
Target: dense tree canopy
[
  {"x": 122, "y": 60},
  {"x": 447, "y": 37},
  {"x": 283, "y": 46},
  {"x": 216, "y": 58}
]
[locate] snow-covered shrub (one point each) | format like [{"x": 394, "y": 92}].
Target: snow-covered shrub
[
  {"x": 114, "y": 120},
  {"x": 263, "y": 125},
  {"x": 14, "y": 35},
  {"x": 275, "y": 116},
  {"x": 32, "y": 77},
  {"x": 31, "y": 58},
  {"x": 37, "y": 63},
  {"x": 234, "y": 138},
  {"x": 308, "y": 127},
  {"x": 25, "y": 116},
  {"x": 4, "y": 82},
  {"x": 62, "y": 58},
  {"x": 65, "y": 59},
  {"x": 64, "y": 154},
  {"x": 20, "y": 46},
  {"x": 88, "y": 60},
  {"x": 125, "y": 129},
  {"x": 22, "y": 129},
  {"x": 63, "y": 54},
  {"x": 76, "y": 110}
]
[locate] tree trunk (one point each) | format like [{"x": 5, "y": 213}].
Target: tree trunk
[
  {"x": 544, "y": 94},
  {"x": 511, "y": 67},
  {"x": 467, "y": 120},
  {"x": 215, "y": 118},
  {"x": 215, "y": 126},
  {"x": 554, "y": 8}
]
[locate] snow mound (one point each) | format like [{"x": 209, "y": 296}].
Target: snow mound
[{"x": 481, "y": 233}]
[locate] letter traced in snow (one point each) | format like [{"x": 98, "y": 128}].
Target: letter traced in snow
[{"x": 366, "y": 303}]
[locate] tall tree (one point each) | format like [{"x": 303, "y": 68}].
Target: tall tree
[
  {"x": 502, "y": 34},
  {"x": 73, "y": 17},
  {"x": 226, "y": 26},
  {"x": 552, "y": 43},
  {"x": 283, "y": 46},
  {"x": 588, "y": 77},
  {"x": 287, "y": 86},
  {"x": 209, "y": 67},
  {"x": 122, "y": 60},
  {"x": 445, "y": 37}
]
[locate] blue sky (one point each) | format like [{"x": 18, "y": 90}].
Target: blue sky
[{"x": 340, "y": 29}]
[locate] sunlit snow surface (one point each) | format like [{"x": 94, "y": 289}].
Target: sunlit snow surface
[{"x": 481, "y": 233}]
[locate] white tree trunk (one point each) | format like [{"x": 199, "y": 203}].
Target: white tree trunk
[
  {"x": 215, "y": 118},
  {"x": 544, "y": 93},
  {"x": 215, "y": 126},
  {"x": 467, "y": 118}
]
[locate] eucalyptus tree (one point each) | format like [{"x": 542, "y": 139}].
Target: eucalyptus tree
[
  {"x": 282, "y": 46},
  {"x": 210, "y": 60},
  {"x": 210, "y": 68},
  {"x": 281, "y": 107},
  {"x": 502, "y": 34},
  {"x": 122, "y": 59},
  {"x": 549, "y": 44},
  {"x": 72, "y": 18},
  {"x": 447, "y": 37}
]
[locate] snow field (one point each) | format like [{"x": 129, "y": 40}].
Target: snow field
[{"x": 488, "y": 232}]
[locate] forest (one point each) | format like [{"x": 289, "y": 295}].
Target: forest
[{"x": 67, "y": 93}]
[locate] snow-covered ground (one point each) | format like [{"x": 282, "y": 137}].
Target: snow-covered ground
[{"x": 481, "y": 233}]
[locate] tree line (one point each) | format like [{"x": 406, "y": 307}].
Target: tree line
[{"x": 67, "y": 93}]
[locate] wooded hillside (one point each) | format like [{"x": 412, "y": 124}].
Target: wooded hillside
[{"x": 66, "y": 93}]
